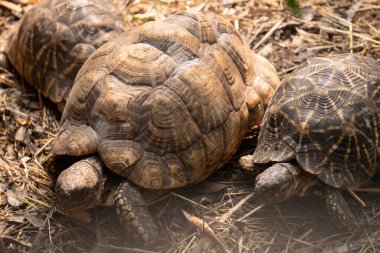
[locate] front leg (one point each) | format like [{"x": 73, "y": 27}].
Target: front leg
[
  {"x": 338, "y": 208},
  {"x": 133, "y": 213}
]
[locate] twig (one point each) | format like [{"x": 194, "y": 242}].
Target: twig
[
  {"x": 12, "y": 240},
  {"x": 269, "y": 33},
  {"x": 251, "y": 212},
  {"x": 370, "y": 241},
  {"x": 43, "y": 147},
  {"x": 368, "y": 190},
  {"x": 27, "y": 198},
  {"x": 282, "y": 217},
  {"x": 350, "y": 38},
  {"x": 356, "y": 197},
  {"x": 193, "y": 202},
  {"x": 297, "y": 240},
  {"x": 125, "y": 249},
  {"x": 307, "y": 233},
  {"x": 255, "y": 34},
  {"x": 188, "y": 245},
  {"x": 235, "y": 208},
  {"x": 271, "y": 243},
  {"x": 330, "y": 29}
]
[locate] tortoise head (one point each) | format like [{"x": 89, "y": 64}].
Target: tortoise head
[
  {"x": 279, "y": 182},
  {"x": 80, "y": 186}
]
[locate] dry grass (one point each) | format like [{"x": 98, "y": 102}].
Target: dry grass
[{"x": 29, "y": 220}]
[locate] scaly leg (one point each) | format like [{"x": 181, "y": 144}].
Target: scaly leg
[
  {"x": 133, "y": 213},
  {"x": 338, "y": 208}
]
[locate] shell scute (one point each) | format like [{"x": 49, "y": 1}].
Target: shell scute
[
  {"x": 55, "y": 38},
  {"x": 323, "y": 117},
  {"x": 169, "y": 100}
]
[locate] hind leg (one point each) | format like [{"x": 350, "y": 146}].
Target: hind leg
[
  {"x": 133, "y": 213},
  {"x": 338, "y": 208}
]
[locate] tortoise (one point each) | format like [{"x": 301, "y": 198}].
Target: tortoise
[
  {"x": 320, "y": 133},
  {"x": 163, "y": 105},
  {"x": 56, "y": 37}
]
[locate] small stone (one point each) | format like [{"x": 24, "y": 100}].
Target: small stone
[{"x": 131, "y": 215}]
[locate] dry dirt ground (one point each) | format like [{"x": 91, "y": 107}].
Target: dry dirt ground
[{"x": 31, "y": 222}]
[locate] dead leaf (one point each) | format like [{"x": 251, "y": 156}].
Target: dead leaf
[
  {"x": 10, "y": 152},
  {"x": 19, "y": 219},
  {"x": 20, "y": 134},
  {"x": 14, "y": 196},
  {"x": 12, "y": 199},
  {"x": 35, "y": 220},
  {"x": 38, "y": 129},
  {"x": 266, "y": 50},
  {"x": 205, "y": 229},
  {"x": 308, "y": 14},
  {"x": 24, "y": 160}
]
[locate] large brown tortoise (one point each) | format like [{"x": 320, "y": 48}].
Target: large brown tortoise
[
  {"x": 55, "y": 38},
  {"x": 321, "y": 133},
  {"x": 164, "y": 105}
]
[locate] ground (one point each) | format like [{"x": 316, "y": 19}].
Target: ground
[{"x": 31, "y": 222}]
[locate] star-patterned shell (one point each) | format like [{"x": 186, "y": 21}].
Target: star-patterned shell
[{"x": 326, "y": 116}]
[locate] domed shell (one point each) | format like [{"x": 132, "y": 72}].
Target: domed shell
[
  {"x": 326, "y": 116},
  {"x": 167, "y": 103},
  {"x": 56, "y": 37}
]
